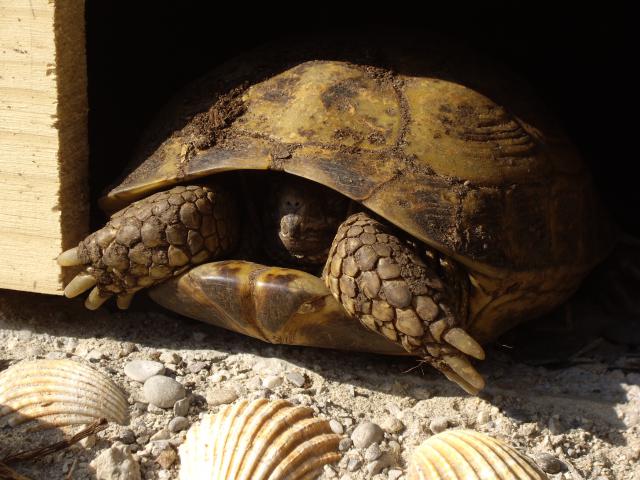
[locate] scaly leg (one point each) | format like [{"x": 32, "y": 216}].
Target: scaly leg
[
  {"x": 152, "y": 240},
  {"x": 380, "y": 280}
]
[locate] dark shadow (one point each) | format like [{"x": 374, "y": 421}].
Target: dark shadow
[
  {"x": 517, "y": 383},
  {"x": 33, "y": 435},
  {"x": 140, "y": 55}
]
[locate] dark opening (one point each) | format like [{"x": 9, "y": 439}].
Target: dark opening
[{"x": 141, "y": 53}]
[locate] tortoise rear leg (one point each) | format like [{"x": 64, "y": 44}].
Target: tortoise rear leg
[
  {"x": 152, "y": 240},
  {"x": 381, "y": 280}
]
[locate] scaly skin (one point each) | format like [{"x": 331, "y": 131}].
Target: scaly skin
[
  {"x": 384, "y": 283},
  {"x": 378, "y": 278},
  {"x": 152, "y": 240}
]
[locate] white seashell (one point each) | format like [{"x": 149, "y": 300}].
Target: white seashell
[
  {"x": 56, "y": 393},
  {"x": 469, "y": 455},
  {"x": 258, "y": 440}
]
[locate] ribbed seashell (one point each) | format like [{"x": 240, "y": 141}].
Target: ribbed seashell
[
  {"x": 258, "y": 440},
  {"x": 469, "y": 455},
  {"x": 56, "y": 393}
]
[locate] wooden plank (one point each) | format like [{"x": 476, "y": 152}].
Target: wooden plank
[{"x": 43, "y": 140}]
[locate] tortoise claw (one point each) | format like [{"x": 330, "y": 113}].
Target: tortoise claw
[
  {"x": 384, "y": 283},
  {"x": 458, "y": 338},
  {"x": 145, "y": 243},
  {"x": 461, "y": 366},
  {"x": 79, "y": 284},
  {"x": 69, "y": 258},
  {"x": 458, "y": 380},
  {"x": 95, "y": 299},
  {"x": 123, "y": 301}
]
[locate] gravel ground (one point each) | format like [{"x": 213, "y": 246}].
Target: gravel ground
[{"x": 577, "y": 413}]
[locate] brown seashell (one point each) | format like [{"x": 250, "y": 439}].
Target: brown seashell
[
  {"x": 469, "y": 455},
  {"x": 57, "y": 393},
  {"x": 258, "y": 440}
]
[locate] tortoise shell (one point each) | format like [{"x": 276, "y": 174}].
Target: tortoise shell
[{"x": 452, "y": 150}]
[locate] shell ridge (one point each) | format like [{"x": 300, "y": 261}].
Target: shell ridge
[
  {"x": 510, "y": 457},
  {"x": 272, "y": 437},
  {"x": 453, "y": 458},
  {"x": 258, "y": 429},
  {"x": 95, "y": 382},
  {"x": 254, "y": 449},
  {"x": 225, "y": 438},
  {"x": 58, "y": 390},
  {"x": 481, "y": 461},
  {"x": 57, "y": 393},
  {"x": 217, "y": 446},
  {"x": 60, "y": 420},
  {"x": 239, "y": 450},
  {"x": 37, "y": 411},
  {"x": 294, "y": 466}
]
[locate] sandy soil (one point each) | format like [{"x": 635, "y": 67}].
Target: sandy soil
[{"x": 575, "y": 397}]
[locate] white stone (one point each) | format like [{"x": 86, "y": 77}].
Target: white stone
[
  {"x": 162, "y": 391},
  {"x": 365, "y": 434},
  {"x": 116, "y": 463},
  {"x": 141, "y": 370}
]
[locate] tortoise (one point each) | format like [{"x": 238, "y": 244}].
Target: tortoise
[{"x": 393, "y": 203}]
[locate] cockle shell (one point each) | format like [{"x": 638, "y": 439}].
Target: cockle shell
[
  {"x": 258, "y": 440},
  {"x": 56, "y": 393},
  {"x": 469, "y": 455}
]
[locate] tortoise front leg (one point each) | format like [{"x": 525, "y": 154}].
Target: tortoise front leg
[
  {"x": 152, "y": 240},
  {"x": 380, "y": 280}
]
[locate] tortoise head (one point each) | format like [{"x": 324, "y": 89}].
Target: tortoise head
[{"x": 301, "y": 220}]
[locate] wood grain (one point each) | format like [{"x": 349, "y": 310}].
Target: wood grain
[{"x": 43, "y": 140}]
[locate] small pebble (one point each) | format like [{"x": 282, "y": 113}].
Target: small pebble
[
  {"x": 296, "y": 378},
  {"x": 549, "y": 463},
  {"x": 162, "y": 391},
  {"x": 181, "y": 407},
  {"x": 141, "y": 370},
  {"x": 392, "y": 425},
  {"x": 372, "y": 452},
  {"x": 170, "y": 357},
  {"x": 116, "y": 463},
  {"x": 88, "y": 442},
  {"x": 197, "y": 367},
  {"x": 336, "y": 427},
  {"x": 272, "y": 381},
  {"x": 220, "y": 396},
  {"x": 394, "y": 474},
  {"x": 167, "y": 457},
  {"x": 219, "y": 376},
  {"x": 329, "y": 472},
  {"x": 345, "y": 444},
  {"x": 127, "y": 436},
  {"x": 366, "y": 433},
  {"x": 162, "y": 434},
  {"x": 158, "y": 446},
  {"x": 378, "y": 465},
  {"x": 177, "y": 424},
  {"x": 439, "y": 424},
  {"x": 353, "y": 464},
  {"x": 483, "y": 417},
  {"x": 95, "y": 355},
  {"x": 151, "y": 408}
]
